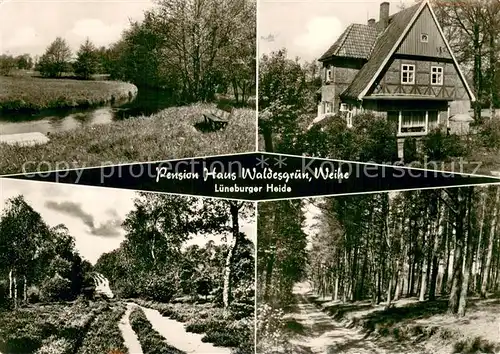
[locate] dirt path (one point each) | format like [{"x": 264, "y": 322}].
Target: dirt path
[
  {"x": 176, "y": 335},
  {"x": 128, "y": 334},
  {"x": 318, "y": 333}
]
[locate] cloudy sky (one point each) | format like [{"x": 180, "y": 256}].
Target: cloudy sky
[
  {"x": 307, "y": 28},
  {"x": 29, "y": 26},
  {"x": 93, "y": 215}
]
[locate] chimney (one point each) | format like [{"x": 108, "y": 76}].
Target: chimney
[
  {"x": 371, "y": 22},
  {"x": 384, "y": 16}
]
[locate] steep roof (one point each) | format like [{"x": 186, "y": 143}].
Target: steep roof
[
  {"x": 357, "y": 41},
  {"x": 384, "y": 46}
]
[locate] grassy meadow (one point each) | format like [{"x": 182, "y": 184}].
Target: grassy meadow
[
  {"x": 31, "y": 93},
  {"x": 169, "y": 134}
]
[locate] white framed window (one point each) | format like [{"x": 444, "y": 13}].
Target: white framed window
[
  {"x": 437, "y": 75},
  {"x": 414, "y": 122},
  {"x": 346, "y": 111},
  {"x": 407, "y": 74},
  {"x": 424, "y": 38}
]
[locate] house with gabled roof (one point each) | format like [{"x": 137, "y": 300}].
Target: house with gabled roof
[{"x": 401, "y": 67}]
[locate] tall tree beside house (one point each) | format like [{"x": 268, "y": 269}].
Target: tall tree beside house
[
  {"x": 282, "y": 92},
  {"x": 55, "y": 61},
  {"x": 473, "y": 28},
  {"x": 87, "y": 60}
]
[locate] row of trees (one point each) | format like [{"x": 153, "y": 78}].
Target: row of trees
[
  {"x": 193, "y": 48},
  {"x": 153, "y": 263},
  {"x": 8, "y": 63},
  {"x": 281, "y": 252},
  {"x": 58, "y": 60},
  {"x": 425, "y": 243},
  {"x": 429, "y": 243},
  {"x": 38, "y": 261}
]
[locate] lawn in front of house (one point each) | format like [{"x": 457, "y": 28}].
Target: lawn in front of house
[
  {"x": 169, "y": 134},
  {"x": 36, "y": 93}
]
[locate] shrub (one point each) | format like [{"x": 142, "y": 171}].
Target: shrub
[
  {"x": 33, "y": 293},
  {"x": 242, "y": 310},
  {"x": 104, "y": 334},
  {"x": 410, "y": 150},
  {"x": 160, "y": 289},
  {"x": 21, "y": 342},
  {"x": 489, "y": 134},
  {"x": 54, "y": 345},
  {"x": 222, "y": 337},
  {"x": 474, "y": 345},
  {"x": 372, "y": 138},
  {"x": 332, "y": 139},
  {"x": 126, "y": 289},
  {"x": 376, "y": 137},
  {"x": 439, "y": 146},
  {"x": 270, "y": 328},
  {"x": 56, "y": 288}
]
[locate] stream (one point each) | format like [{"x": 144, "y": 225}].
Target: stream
[{"x": 147, "y": 103}]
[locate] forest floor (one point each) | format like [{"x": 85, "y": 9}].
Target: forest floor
[
  {"x": 323, "y": 326},
  {"x": 169, "y": 134}
]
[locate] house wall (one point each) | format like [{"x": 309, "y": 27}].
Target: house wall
[
  {"x": 340, "y": 80},
  {"x": 390, "y": 80},
  {"x": 412, "y": 44},
  {"x": 389, "y": 109}
]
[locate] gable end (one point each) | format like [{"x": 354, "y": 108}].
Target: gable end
[{"x": 397, "y": 45}]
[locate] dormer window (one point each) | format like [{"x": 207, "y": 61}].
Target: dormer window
[
  {"x": 408, "y": 74},
  {"x": 424, "y": 38}
]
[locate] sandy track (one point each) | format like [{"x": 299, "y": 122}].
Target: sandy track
[
  {"x": 176, "y": 335},
  {"x": 128, "y": 334},
  {"x": 321, "y": 334}
]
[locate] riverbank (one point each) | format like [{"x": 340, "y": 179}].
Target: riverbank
[
  {"x": 169, "y": 134},
  {"x": 29, "y": 93}
]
